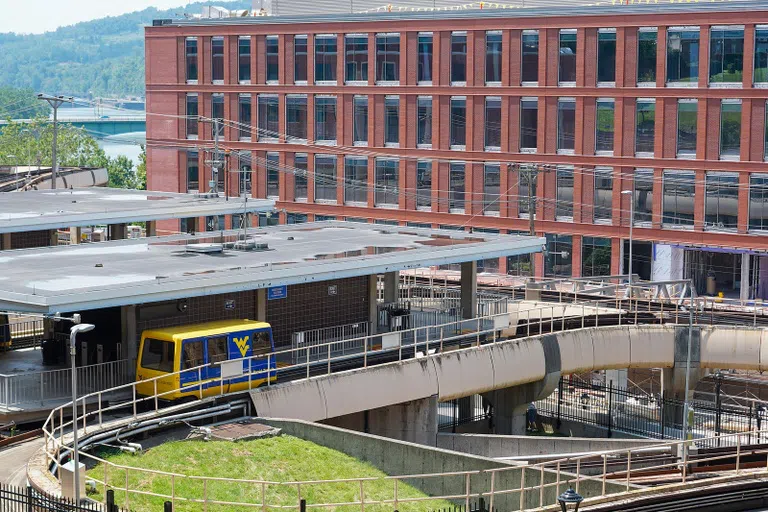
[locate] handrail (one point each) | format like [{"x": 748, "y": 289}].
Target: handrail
[{"x": 56, "y": 442}]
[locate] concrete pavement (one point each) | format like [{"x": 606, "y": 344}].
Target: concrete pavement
[{"x": 13, "y": 462}]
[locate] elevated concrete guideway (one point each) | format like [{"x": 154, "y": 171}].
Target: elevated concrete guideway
[{"x": 512, "y": 364}]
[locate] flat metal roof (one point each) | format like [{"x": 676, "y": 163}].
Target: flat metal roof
[
  {"x": 535, "y": 8},
  {"x": 62, "y": 208},
  {"x": 126, "y": 272}
]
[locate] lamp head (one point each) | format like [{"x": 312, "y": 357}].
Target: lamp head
[
  {"x": 626, "y": 192},
  {"x": 570, "y": 497},
  {"x": 79, "y": 328}
]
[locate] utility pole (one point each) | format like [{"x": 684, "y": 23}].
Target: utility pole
[
  {"x": 216, "y": 162},
  {"x": 55, "y": 102}
]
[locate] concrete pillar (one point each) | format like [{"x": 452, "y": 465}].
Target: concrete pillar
[
  {"x": 469, "y": 289},
  {"x": 151, "y": 228},
  {"x": 118, "y": 231},
  {"x": 511, "y": 404},
  {"x": 668, "y": 263},
  {"x": 261, "y": 305},
  {"x": 673, "y": 379},
  {"x": 373, "y": 311},
  {"x": 75, "y": 235},
  {"x": 617, "y": 377},
  {"x": 391, "y": 286},
  {"x": 5, "y": 241},
  {"x": 746, "y": 260},
  {"x": 130, "y": 337},
  {"x": 54, "y": 234}
]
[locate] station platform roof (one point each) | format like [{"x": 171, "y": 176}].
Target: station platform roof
[
  {"x": 131, "y": 272},
  {"x": 37, "y": 210}
]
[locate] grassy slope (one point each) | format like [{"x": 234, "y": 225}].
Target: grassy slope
[{"x": 279, "y": 459}]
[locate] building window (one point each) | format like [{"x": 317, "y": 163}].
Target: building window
[
  {"x": 603, "y": 200},
  {"x": 493, "y": 124},
  {"x": 244, "y": 59},
  {"x": 458, "y": 122},
  {"x": 273, "y": 175},
  {"x": 217, "y": 59},
  {"x": 520, "y": 265},
  {"x": 645, "y": 126},
  {"x": 272, "y": 60},
  {"x": 761, "y": 56},
  {"x": 721, "y": 201},
  {"x": 215, "y": 223},
  {"x": 758, "y": 202},
  {"x": 730, "y": 129},
  {"x": 244, "y": 168},
  {"x": 300, "y": 59},
  {"x": 325, "y": 119},
  {"x": 190, "y": 50},
  {"x": 604, "y": 126},
  {"x": 765, "y": 132},
  {"x": 456, "y": 187},
  {"x": 244, "y": 113},
  {"x": 559, "y": 257},
  {"x": 296, "y": 117},
  {"x": 595, "y": 256},
  {"x": 493, "y": 57},
  {"x": 360, "y": 121},
  {"x": 300, "y": 177},
  {"x": 296, "y": 218},
  {"x": 606, "y": 56},
  {"x": 529, "y": 122},
  {"x": 677, "y": 201},
  {"x": 325, "y": 178},
  {"x": 566, "y": 124},
  {"x": 356, "y": 60},
  {"x": 325, "y": 58},
  {"x": 528, "y": 189},
  {"x": 567, "y": 61},
  {"x": 193, "y": 172},
  {"x": 458, "y": 57},
  {"x": 643, "y": 185},
  {"x": 687, "y": 118},
  {"x": 268, "y": 110},
  {"x": 564, "y": 205},
  {"x": 355, "y": 180},
  {"x": 424, "y": 122},
  {"x": 387, "y": 57},
  {"x": 424, "y": 71},
  {"x": 391, "y": 120},
  {"x": 217, "y": 112},
  {"x": 491, "y": 188},
  {"x": 192, "y": 111},
  {"x": 529, "y": 72},
  {"x": 683, "y": 56},
  {"x": 726, "y": 55},
  {"x": 646, "y": 56},
  {"x": 386, "y": 192},
  {"x": 424, "y": 184}
]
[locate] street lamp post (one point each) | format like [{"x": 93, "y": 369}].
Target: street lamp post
[
  {"x": 631, "y": 224},
  {"x": 569, "y": 500},
  {"x": 73, "y": 332}
]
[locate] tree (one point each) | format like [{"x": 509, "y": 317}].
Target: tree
[
  {"x": 32, "y": 143},
  {"x": 21, "y": 104},
  {"x": 120, "y": 172},
  {"x": 141, "y": 170}
]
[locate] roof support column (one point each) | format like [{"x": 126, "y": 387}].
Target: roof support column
[
  {"x": 744, "y": 290},
  {"x": 391, "y": 286},
  {"x": 118, "y": 231},
  {"x": 130, "y": 337},
  {"x": 468, "y": 289},
  {"x": 261, "y": 305},
  {"x": 151, "y": 228},
  {"x": 5, "y": 241},
  {"x": 373, "y": 312},
  {"x": 75, "y": 235}
]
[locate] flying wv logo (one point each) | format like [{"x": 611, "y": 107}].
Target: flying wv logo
[{"x": 242, "y": 344}]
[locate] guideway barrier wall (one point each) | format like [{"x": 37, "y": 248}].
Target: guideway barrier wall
[{"x": 536, "y": 484}]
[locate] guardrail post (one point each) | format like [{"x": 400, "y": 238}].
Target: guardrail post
[
  {"x": 302, "y": 505},
  {"x": 522, "y": 488},
  {"x": 167, "y": 506},
  {"x": 111, "y": 501},
  {"x": 738, "y": 451},
  {"x": 610, "y": 409},
  {"x": 42, "y": 392}
]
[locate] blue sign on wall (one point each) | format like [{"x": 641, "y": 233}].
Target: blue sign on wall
[{"x": 277, "y": 292}]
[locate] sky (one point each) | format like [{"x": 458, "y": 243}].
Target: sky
[{"x": 38, "y": 16}]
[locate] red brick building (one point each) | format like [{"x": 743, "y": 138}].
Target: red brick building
[{"x": 434, "y": 119}]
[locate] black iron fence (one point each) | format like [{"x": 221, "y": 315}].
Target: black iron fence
[
  {"x": 454, "y": 413},
  {"x": 474, "y": 506},
  {"x": 653, "y": 416},
  {"x": 25, "y": 499}
]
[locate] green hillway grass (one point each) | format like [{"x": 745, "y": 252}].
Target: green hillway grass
[{"x": 277, "y": 459}]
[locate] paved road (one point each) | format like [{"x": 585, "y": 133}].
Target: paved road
[{"x": 13, "y": 462}]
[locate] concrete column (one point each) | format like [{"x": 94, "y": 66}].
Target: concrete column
[
  {"x": 5, "y": 241},
  {"x": 673, "y": 379},
  {"x": 468, "y": 289},
  {"x": 511, "y": 404},
  {"x": 668, "y": 262},
  {"x": 617, "y": 377},
  {"x": 744, "y": 291},
  {"x": 261, "y": 305},
  {"x": 373, "y": 316},
  {"x": 54, "y": 234},
  {"x": 75, "y": 235},
  {"x": 118, "y": 231},
  {"x": 130, "y": 336},
  {"x": 151, "y": 228},
  {"x": 391, "y": 286}
]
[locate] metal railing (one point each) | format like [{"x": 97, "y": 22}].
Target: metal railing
[
  {"x": 20, "y": 331},
  {"x": 35, "y": 388},
  {"x": 316, "y": 338}
]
